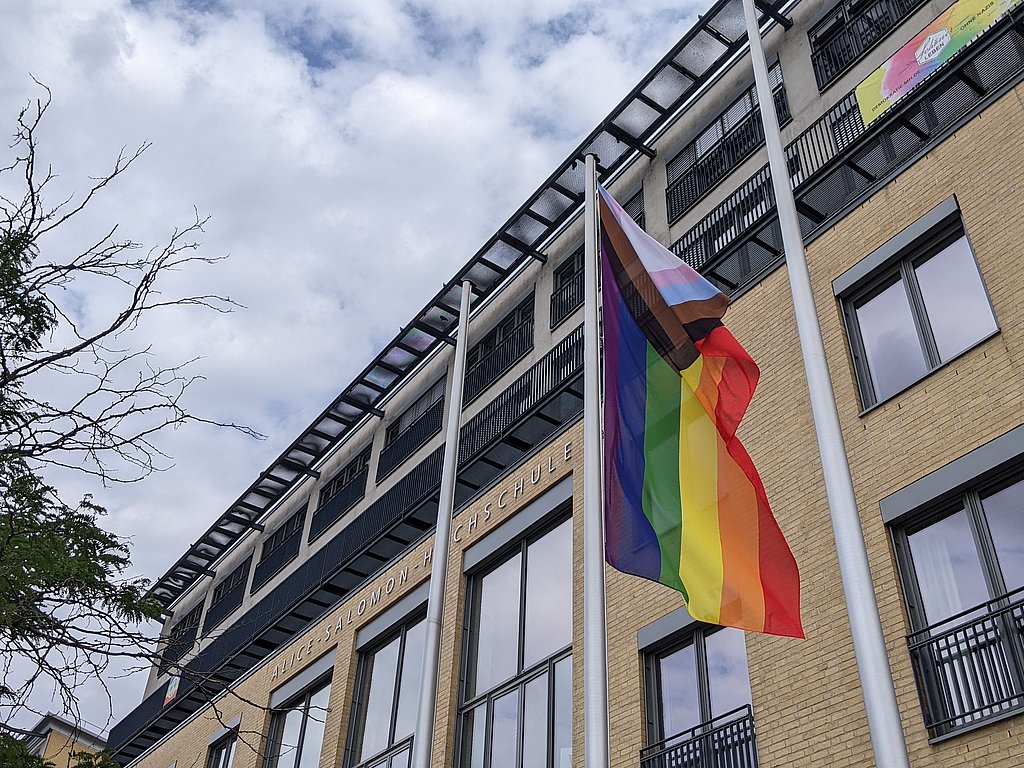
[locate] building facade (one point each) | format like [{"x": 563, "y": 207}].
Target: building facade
[
  {"x": 295, "y": 623},
  {"x": 56, "y": 741}
]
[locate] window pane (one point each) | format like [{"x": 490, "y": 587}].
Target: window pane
[
  {"x": 409, "y": 688},
  {"x": 728, "y": 678},
  {"x": 948, "y": 570},
  {"x": 548, "y": 595},
  {"x": 379, "y": 701},
  {"x": 497, "y": 649},
  {"x": 313, "y": 738},
  {"x": 1005, "y": 513},
  {"x": 895, "y": 358},
  {"x": 290, "y": 724},
  {"x": 474, "y": 730},
  {"x": 504, "y": 730},
  {"x": 958, "y": 307},
  {"x": 535, "y": 723},
  {"x": 563, "y": 714},
  {"x": 680, "y": 707},
  {"x": 401, "y": 760}
]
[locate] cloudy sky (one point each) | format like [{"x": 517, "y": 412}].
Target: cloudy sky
[{"x": 351, "y": 155}]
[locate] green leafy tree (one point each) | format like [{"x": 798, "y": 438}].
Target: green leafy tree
[{"x": 76, "y": 394}]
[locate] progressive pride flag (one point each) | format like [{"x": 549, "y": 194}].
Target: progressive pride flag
[{"x": 684, "y": 505}]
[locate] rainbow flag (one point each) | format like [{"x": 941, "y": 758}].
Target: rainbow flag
[{"x": 684, "y": 505}]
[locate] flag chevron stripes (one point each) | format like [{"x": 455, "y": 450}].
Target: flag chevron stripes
[{"x": 684, "y": 505}]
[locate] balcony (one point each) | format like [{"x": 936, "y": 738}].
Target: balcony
[
  {"x": 406, "y": 444},
  {"x": 566, "y": 298},
  {"x": 328, "y": 513},
  {"x": 863, "y": 26},
  {"x": 510, "y": 350},
  {"x": 721, "y": 160},
  {"x": 838, "y": 161},
  {"x": 725, "y": 742},
  {"x": 970, "y": 668}
]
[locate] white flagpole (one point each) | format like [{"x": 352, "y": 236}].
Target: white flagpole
[
  {"x": 595, "y": 641},
  {"x": 423, "y": 740},
  {"x": 880, "y": 704}
]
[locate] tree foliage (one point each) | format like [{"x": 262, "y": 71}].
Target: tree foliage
[{"x": 78, "y": 392}]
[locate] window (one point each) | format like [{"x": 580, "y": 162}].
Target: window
[
  {"x": 387, "y": 698},
  {"x": 414, "y": 411},
  {"x": 222, "y": 751},
  {"x": 963, "y": 574},
  {"x": 698, "y": 700},
  {"x": 501, "y": 348},
  {"x": 924, "y": 305},
  {"x": 517, "y": 695},
  {"x": 297, "y": 729},
  {"x": 278, "y": 538},
  {"x": 230, "y": 582},
  {"x": 349, "y": 473}
]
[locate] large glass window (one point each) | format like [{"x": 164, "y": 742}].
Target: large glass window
[
  {"x": 388, "y": 694},
  {"x": 918, "y": 313},
  {"x": 297, "y": 730},
  {"x": 222, "y": 752},
  {"x": 517, "y": 699},
  {"x": 963, "y": 576},
  {"x": 698, "y": 701}
]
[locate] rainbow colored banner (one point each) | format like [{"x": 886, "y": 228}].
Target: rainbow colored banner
[
  {"x": 684, "y": 505},
  {"x": 952, "y": 31}
]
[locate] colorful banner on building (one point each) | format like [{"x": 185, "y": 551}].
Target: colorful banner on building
[{"x": 956, "y": 28}]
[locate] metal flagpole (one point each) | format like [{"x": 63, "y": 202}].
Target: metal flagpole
[
  {"x": 868, "y": 641},
  {"x": 423, "y": 740},
  {"x": 595, "y": 641}
]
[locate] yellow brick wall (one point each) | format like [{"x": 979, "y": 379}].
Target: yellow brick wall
[{"x": 807, "y": 700}]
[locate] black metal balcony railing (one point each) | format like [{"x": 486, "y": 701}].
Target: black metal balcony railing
[
  {"x": 724, "y": 742},
  {"x": 864, "y": 28},
  {"x": 405, "y": 445},
  {"x": 346, "y": 497},
  {"x": 510, "y": 350},
  {"x": 970, "y": 668},
  {"x": 273, "y": 562},
  {"x": 566, "y": 298},
  {"x": 721, "y": 160},
  {"x": 838, "y": 159},
  {"x": 229, "y": 600},
  {"x": 178, "y": 645}
]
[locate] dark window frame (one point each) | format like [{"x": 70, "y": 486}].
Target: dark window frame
[
  {"x": 280, "y": 535},
  {"x": 354, "y": 738},
  {"x": 523, "y": 675},
  {"x": 897, "y": 262},
  {"x": 965, "y": 646},
  {"x": 277, "y": 721},
  {"x": 653, "y": 655},
  {"x": 215, "y": 754},
  {"x": 237, "y": 575},
  {"x": 176, "y": 645}
]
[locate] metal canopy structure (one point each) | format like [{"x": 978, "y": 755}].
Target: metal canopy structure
[{"x": 692, "y": 63}]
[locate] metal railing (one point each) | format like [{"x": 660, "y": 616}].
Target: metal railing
[
  {"x": 566, "y": 299},
  {"x": 721, "y": 160},
  {"x": 405, "y": 445},
  {"x": 727, "y": 741},
  {"x": 510, "y": 350},
  {"x": 273, "y": 562},
  {"x": 337, "y": 505},
  {"x": 229, "y": 600},
  {"x": 970, "y": 668},
  {"x": 864, "y": 28}
]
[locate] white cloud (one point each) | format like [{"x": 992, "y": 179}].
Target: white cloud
[{"x": 327, "y": 142}]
